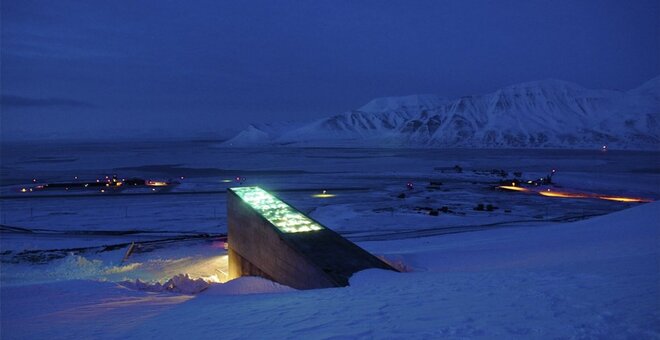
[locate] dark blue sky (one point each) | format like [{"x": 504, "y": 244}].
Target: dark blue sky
[{"x": 78, "y": 68}]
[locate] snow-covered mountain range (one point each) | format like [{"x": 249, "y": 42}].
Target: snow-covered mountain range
[{"x": 547, "y": 113}]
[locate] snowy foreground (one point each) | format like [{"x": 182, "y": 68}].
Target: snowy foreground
[{"x": 593, "y": 278}]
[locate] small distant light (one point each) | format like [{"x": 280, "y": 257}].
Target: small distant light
[
  {"x": 34, "y": 180},
  {"x": 153, "y": 189},
  {"x": 182, "y": 177},
  {"x": 30, "y": 189},
  {"x": 97, "y": 181},
  {"x": 513, "y": 184},
  {"x": 102, "y": 190},
  {"x": 106, "y": 177},
  {"x": 75, "y": 177},
  {"x": 323, "y": 194},
  {"x": 23, "y": 190}
]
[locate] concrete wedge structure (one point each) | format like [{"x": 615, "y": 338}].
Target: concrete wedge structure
[{"x": 271, "y": 239}]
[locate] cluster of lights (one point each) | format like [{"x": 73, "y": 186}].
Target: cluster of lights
[
  {"x": 105, "y": 184},
  {"x": 280, "y": 214}
]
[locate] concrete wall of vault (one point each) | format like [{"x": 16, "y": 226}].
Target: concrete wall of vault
[{"x": 305, "y": 260}]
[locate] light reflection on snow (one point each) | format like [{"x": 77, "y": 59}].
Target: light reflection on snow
[
  {"x": 567, "y": 194},
  {"x": 624, "y": 199},
  {"x": 562, "y": 194},
  {"x": 324, "y": 194},
  {"x": 122, "y": 269},
  {"x": 212, "y": 269},
  {"x": 512, "y": 188}
]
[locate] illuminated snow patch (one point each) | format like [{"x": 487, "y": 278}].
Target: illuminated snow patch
[
  {"x": 281, "y": 215},
  {"x": 512, "y": 188}
]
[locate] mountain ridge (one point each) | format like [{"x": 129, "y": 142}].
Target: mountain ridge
[{"x": 548, "y": 113}]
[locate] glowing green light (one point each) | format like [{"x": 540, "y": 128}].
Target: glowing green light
[
  {"x": 226, "y": 181},
  {"x": 280, "y": 214}
]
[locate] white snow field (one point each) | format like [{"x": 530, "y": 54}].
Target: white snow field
[
  {"x": 535, "y": 267},
  {"x": 596, "y": 278}
]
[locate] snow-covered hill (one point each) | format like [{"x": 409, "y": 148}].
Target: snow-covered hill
[
  {"x": 547, "y": 113},
  {"x": 261, "y": 134}
]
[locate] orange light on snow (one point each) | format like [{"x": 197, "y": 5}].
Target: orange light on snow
[
  {"x": 562, "y": 194},
  {"x": 156, "y": 183},
  {"x": 624, "y": 199},
  {"x": 512, "y": 188}
]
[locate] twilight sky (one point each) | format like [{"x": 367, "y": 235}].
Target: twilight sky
[{"x": 171, "y": 68}]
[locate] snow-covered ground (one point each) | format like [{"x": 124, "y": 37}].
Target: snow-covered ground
[
  {"x": 597, "y": 278},
  {"x": 524, "y": 271}
]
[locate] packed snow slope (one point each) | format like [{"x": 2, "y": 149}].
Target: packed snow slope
[
  {"x": 548, "y": 113},
  {"x": 597, "y": 278}
]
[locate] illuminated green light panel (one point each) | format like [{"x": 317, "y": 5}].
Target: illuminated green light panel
[{"x": 280, "y": 214}]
